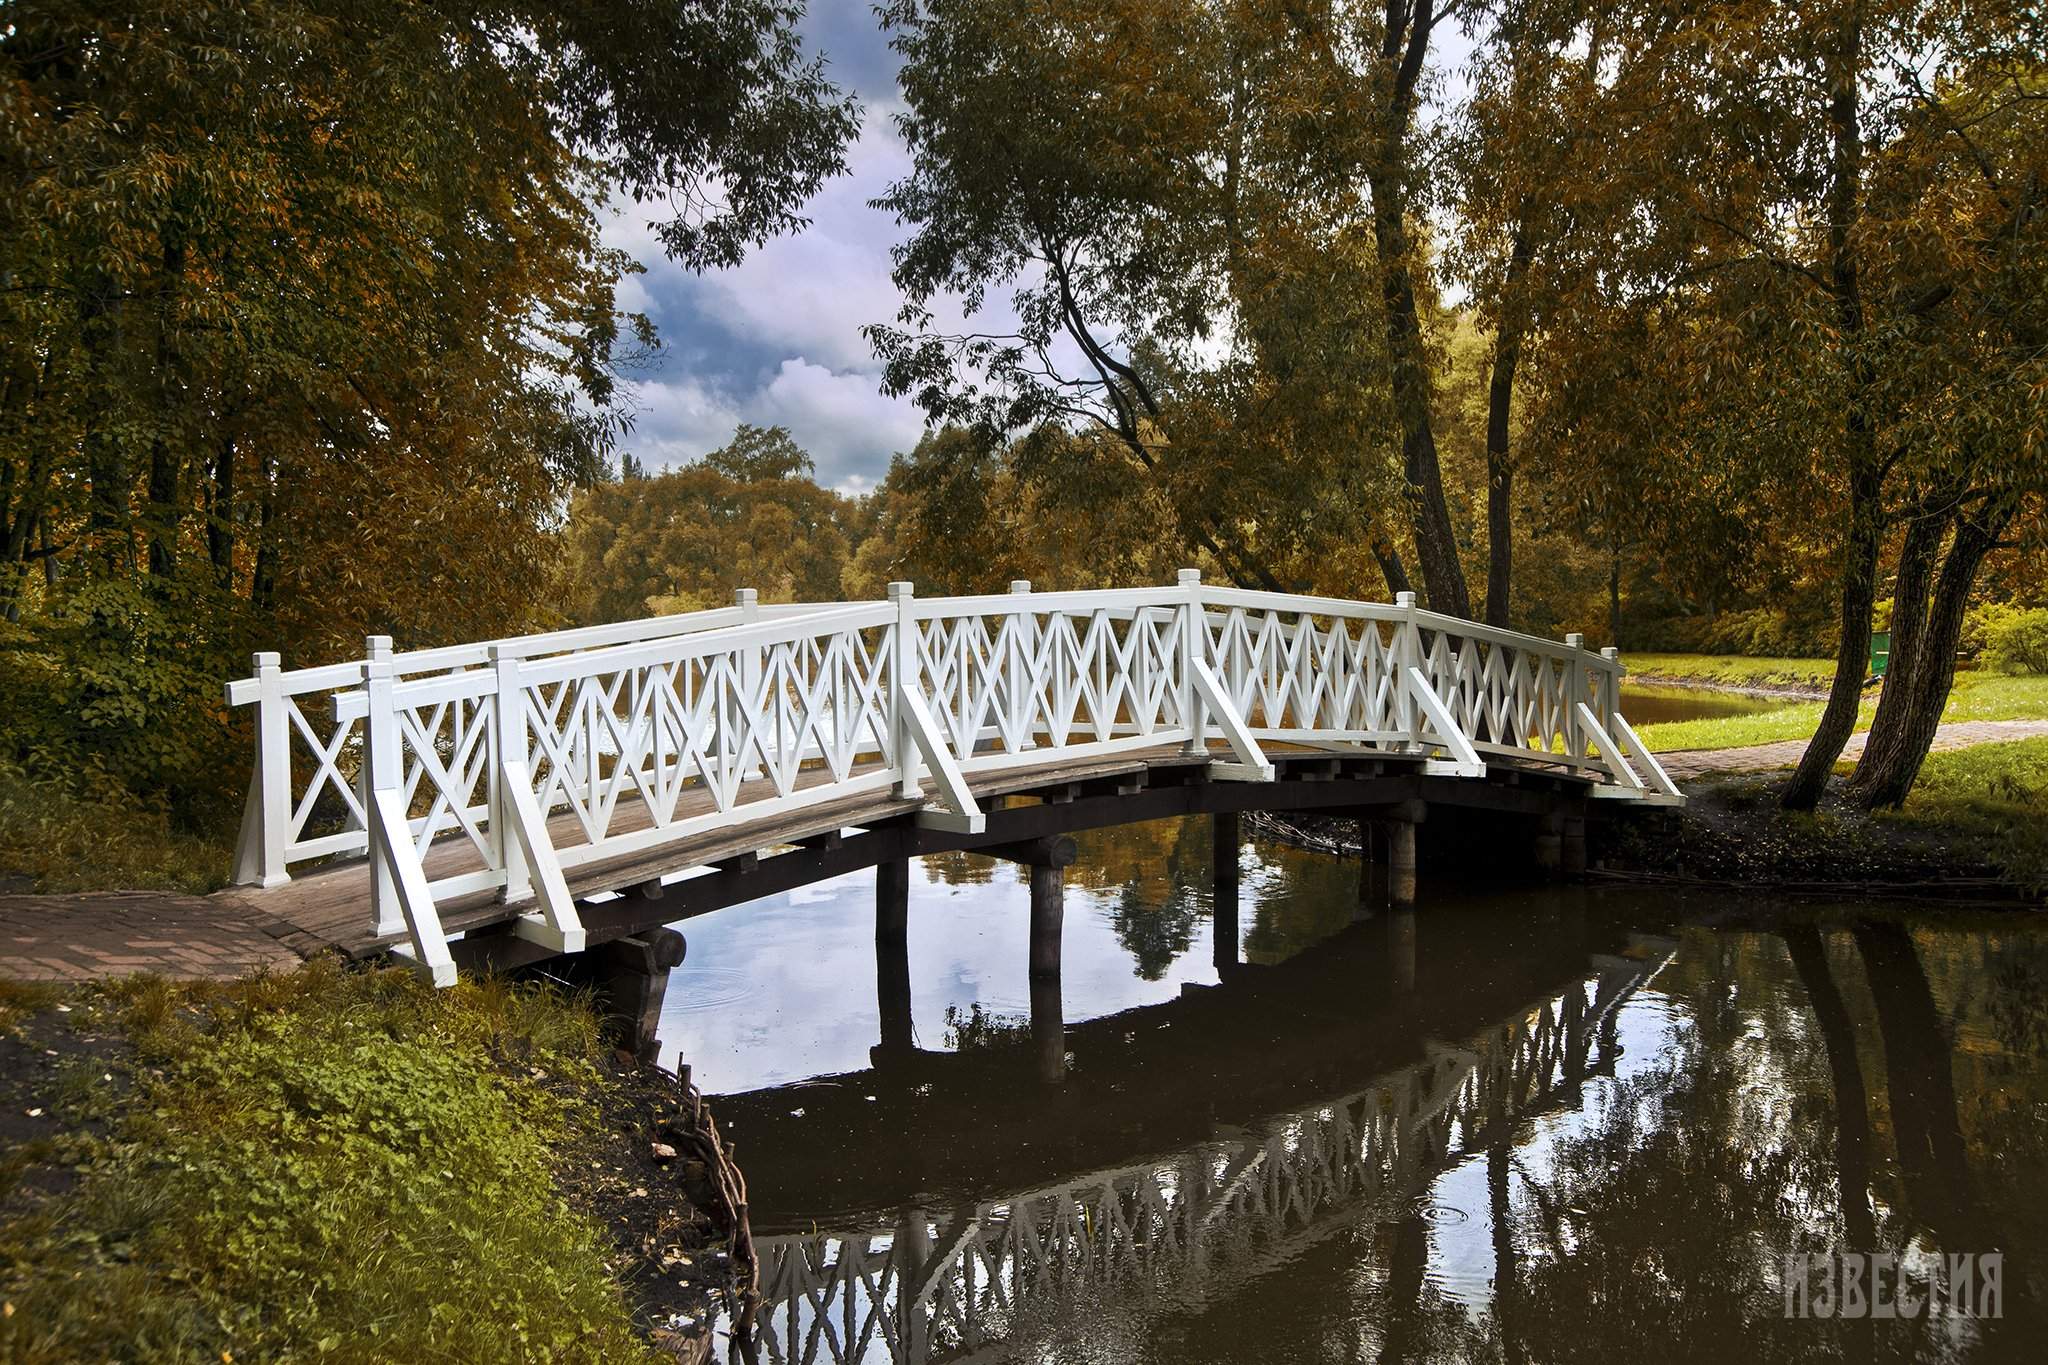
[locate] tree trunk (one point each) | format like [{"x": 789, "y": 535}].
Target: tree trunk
[
  {"x": 1500, "y": 403},
  {"x": 1403, "y": 45},
  {"x": 1436, "y": 543},
  {"x": 1865, "y": 537},
  {"x": 1614, "y": 597},
  {"x": 1852, "y": 657},
  {"x": 220, "y": 523},
  {"x": 1909, "y": 626},
  {"x": 1391, "y": 568},
  {"x": 1884, "y": 779}
]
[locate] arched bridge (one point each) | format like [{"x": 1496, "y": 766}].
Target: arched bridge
[{"x": 544, "y": 793}]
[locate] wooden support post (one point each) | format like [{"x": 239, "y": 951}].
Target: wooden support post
[
  {"x": 1048, "y": 911},
  {"x": 1223, "y": 922},
  {"x": 1048, "y": 1029},
  {"x": 1572, "y": 846},
  {"x": 1368, "y": 890},
  {"x": 631, "y": 976},
  {"x": 1548, "y": 845},
  {"x": 1401, "y": 870},
  {"x": 892, "y": 956}
]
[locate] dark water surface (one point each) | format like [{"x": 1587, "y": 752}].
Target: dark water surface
[
  {"x": 1556, "y": 1124},
  {"x": 1649, "y": 704}
]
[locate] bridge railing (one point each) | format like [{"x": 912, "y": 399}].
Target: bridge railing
[{"x": 502, "y": 766}]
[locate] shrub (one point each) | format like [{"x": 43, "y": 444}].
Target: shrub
[
  {"x": 2016, "y": 642},
  {"x": 334, "y": 1165}
]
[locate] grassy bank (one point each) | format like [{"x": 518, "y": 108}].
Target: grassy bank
[
  {"x": 1730, "y": 670},
  {"x": 1977, "y": 696},
  {"x": 1994, "y": 795},
  {"x": 1972, "y": 827},
  {"x": 54, "y": 838},
  {"x": 327, "y": 1164}
]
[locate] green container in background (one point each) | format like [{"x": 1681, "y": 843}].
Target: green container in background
[{"x": 1880, "y": 652}]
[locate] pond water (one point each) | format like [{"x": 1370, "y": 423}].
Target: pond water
[
  {"x": 1648, "y": 704},
  {"x": 1515, "y": 1124}
]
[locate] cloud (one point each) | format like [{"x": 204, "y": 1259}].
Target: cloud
[{"x": 848, "y": 427}]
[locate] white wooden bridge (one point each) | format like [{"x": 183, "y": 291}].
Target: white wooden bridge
[{"x": 503, "y": 786}]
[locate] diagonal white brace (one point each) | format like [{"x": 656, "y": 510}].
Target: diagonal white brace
[
  {"x": 1659, "y": 779},
  {"x": 391, "y": 838},
  {"x": 556, "y": 924},
  {"x": 1465, "y": 761},
  {"x": 1252, "y": 764},
  {"x": 959, "y": 813},
  {"x": 1610, "y": 752}
]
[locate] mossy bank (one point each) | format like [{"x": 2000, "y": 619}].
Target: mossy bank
[{"x": 338, "y": 1165}]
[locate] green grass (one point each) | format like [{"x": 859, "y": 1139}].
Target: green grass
[
  {"x": 327, "y": 1164},
  {"x": 1977, "y": 696},
  {"x": 1995, "y": 792},
  {"x": 1732, "y": 670},
  {"x": 64, "y": 840}
]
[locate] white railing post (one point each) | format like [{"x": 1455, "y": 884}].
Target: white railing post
[
  {"x": 1407, "y": 655},
  {"x": 1610, "y": 685},
  {"x": 1575, "y": 736},
  {"x": 1023, "y": 649},
  {"x": 509, "y": 747},
  {"x": 903, "y": 678},
  {"x": 383, "y": 770},
  {"x": 1193, "y": 629},
  {"x": 267, "y": 813},
  {"x": 748, "y": 601}
]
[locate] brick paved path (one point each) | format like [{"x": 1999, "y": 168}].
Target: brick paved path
[
  {"x": 99, "y": 934},
  {"x": 1785, "y": 753}
]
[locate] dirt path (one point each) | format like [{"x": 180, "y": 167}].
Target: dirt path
[{"x": 1784, "y": 753}]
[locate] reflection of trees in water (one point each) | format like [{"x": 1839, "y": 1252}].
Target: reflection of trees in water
[
  {"x": 1297, "y": 898},
  {"x": 976, "y": 1029},
  {"x": 1156, "y": 911}
]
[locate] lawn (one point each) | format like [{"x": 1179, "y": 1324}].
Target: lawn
[
  {"x": 1993, "y": 792},
  {"x": 1977, "y": 696}
]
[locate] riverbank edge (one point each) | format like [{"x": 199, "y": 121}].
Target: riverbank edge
[
  {"x": 1761, "y": 690},
  {"x": 648, "y": 1166},
  {"x": 1731, "y": 836}
]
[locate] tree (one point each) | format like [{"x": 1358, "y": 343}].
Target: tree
[
  {"x": 1174, "y": 193},
  {"x": 305, "y": 326},
  {"x": 747, "y": 515}
]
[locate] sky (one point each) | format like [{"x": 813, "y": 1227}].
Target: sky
[{"x": 776, "y": 340}]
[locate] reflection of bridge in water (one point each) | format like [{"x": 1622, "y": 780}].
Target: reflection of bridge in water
[{"x": 959, "y": 1284}]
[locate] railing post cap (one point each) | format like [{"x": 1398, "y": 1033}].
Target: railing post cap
[
  {"x": 1020, "y": 585},
  {"x": 745, "y": 597},
  {"x": 1610, "y": 652},
  {"x": 902, "y": 589},
  {"x": 1575, "y": 640},
  {"x": 377, "y": 646},
  {"x": 1404, "y": 599},
  {"x": 265, "y": 659},
  {"x": 1190, "y": 576}
]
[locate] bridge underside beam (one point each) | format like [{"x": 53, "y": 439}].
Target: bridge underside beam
[{"x": 1379, "y": 785}]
